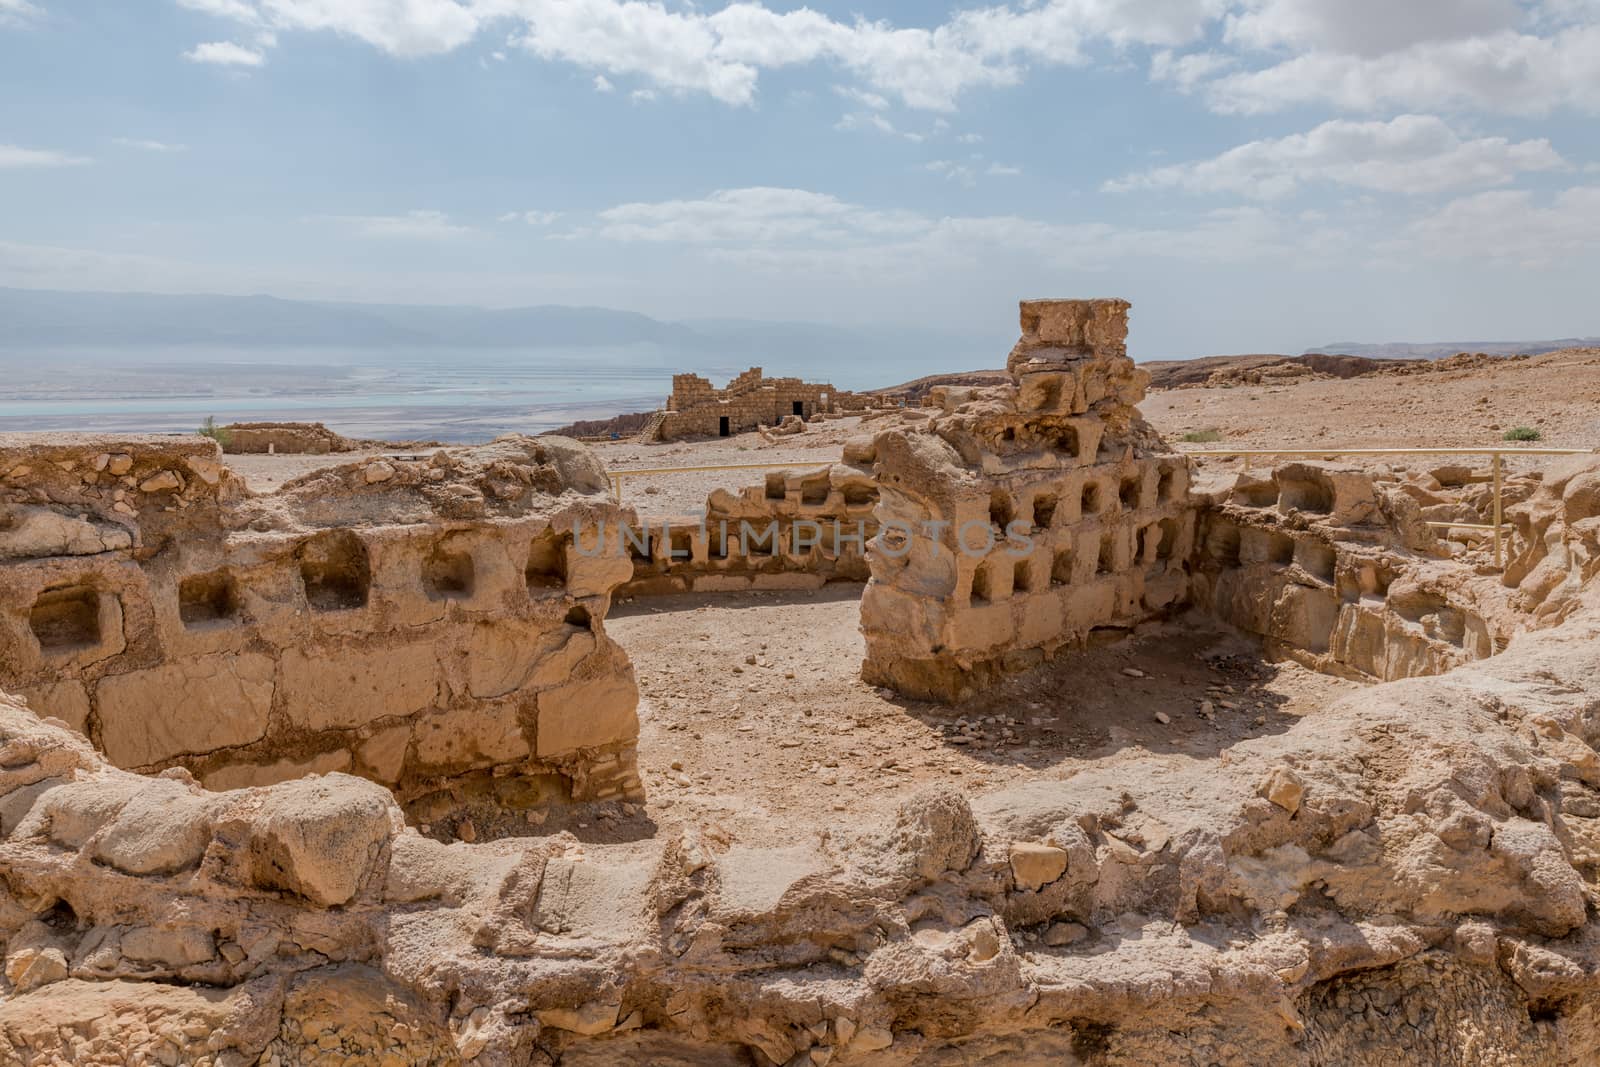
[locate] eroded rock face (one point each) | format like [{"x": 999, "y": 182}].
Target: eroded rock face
[
  {"x": 408, "y": 619},
  {"x": 1018, "y": 520},
  {"x": 1405, "y": 873}
]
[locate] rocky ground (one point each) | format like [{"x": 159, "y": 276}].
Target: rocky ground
[
  {"x": 1557, "y": 394},
  {"x": 755, "y": 718}
]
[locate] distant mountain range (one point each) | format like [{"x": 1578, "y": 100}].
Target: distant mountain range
[
  {"x": 1442, "y": 349},
  {"x": 34, "y": 318}
]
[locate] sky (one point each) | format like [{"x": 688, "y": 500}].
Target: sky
[{"x": 1255, "y": 175}]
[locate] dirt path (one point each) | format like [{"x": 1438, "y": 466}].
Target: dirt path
[{"x": 754, "y": 719}]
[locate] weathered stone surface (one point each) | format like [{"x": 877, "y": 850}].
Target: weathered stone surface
[
  {"x": 321, "y": 838},
  {"x": 587, "y": 714},
  {"x": 191, "y": 706},
  {"x": 147, "y": 599},
  {"x": 343, "y": 687},
  {"x": 1035, "y": 865}
]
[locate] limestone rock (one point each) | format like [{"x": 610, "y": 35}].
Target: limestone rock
[{"x": 1035, "y": 865}]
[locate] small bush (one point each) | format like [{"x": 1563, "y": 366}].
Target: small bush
[
  {"x": 210, "y": 429},
  {"x": 1202, "y": 437},
  {"x": 1523, "y": 433}
]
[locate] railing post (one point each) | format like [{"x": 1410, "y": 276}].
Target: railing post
[{"x": 1499, "y": 513}]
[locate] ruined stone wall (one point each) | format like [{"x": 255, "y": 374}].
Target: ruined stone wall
[
  {"x": 1020, "y": 519},
  {"x": 1405, "y": 876},
  {"x": 284, "y": 438},
  {"x": 406, "y": 621},
  {"x": 696, "y": 408},
  {"x": 798, "y": 529},
  {"x": 1338, "y": 571}
]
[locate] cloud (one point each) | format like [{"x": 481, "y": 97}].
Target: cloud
[
  {"x": 1001, "y": 170},
  {"x": 224, "y": 54},
  {"x": 1505, "y": 73},
  {"x": 17, "y": 12},
  {"x": 642, "y": 96},
  {"x": 1511, "y": 225},
  {"x": 413, "y": 225},
  {"x": 960, "y": 173},
  {"x": 797, "y": 231},
  {"x": 723, "y": 53},
  {"x": 871, "y": 120},
  {"x": 602, "y": 84},
  {"x": 861, "y": 96},
  {"x": 14, "y": 157},
  {"x": 532, "y": 218},
  {"x": 1409, "y": 154},
  {"x": 1365, "y": 27},
  {"x": 147, "y": 146}
]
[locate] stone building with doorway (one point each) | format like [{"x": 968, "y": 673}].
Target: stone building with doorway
[{"x": 697, "y": 409}]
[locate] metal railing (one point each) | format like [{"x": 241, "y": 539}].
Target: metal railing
[{"x": 1496, "y": 467}]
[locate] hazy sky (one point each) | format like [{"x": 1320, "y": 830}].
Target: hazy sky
[{"x": 1256, "y": 175}]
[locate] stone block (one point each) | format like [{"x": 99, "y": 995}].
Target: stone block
[
  {"x": 185, "y": 708},
  {"x": 587, "y": 713},
  {"x": 336, "y": 686}
]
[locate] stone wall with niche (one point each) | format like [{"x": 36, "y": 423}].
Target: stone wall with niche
[{"x": 410, "y": 622}]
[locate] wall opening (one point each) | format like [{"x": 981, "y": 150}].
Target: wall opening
[
  {"x": 547, "y": 563},
  {"x": 723, "y": 429},
  {"x": 814, "y": 491},
  {"x": 1021, "y": 577},
  {"x": 983, "y": 583},
  {"x": 1061, "y": 567},
  {"x": 1044, "y": 511},
  {"x": 1167, "y": 546},
  {"x": 639, "y": 543},
  {"x": 1130, "y": 493},
  {"x": 1001, "y": 511},
  {"x": 208, "y": 599},
  {"x": 335, "y": 571},
  {"x": 578, "y": 616},
  {"x": 1317, "y": 560},
  {"x": 448, "y": 573},
  {"x": 1280, "y": 548},
  {"x": 680, "y": 546},
  {"x": 67, "y": 618},
  {"x": 1108, "y": 553},
  {"x": 800, "y": 408},
  {"x": 777, "y": 485},
  {"x": 1305, "y": 494},
  {"x": 1092, "y": 502},
  {"x": 1222, "y": 544},
  {"x": 1167, "y": 487}
]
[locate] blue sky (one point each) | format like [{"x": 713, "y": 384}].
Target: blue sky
[{"x": 1256, "y": 175}]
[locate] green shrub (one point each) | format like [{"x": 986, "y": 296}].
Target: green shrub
[
  {"x": 1523, "y": 433},
  {"x": 210, "y": 429},
  {"x": 1202, "y": 437}
]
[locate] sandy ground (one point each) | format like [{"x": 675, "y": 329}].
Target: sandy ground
[
  {"x": 754, "y": 721},
  {"x": 263, "y": 473},
  {"x": 1558, "y": 393},
  {"x": 680, "y": 494}
]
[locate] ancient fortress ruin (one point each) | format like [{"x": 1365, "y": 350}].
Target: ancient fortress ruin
[
  {"x": 231, "y": 714},
  {"x": 410, "y": 622},
  {"x": 696, "y": 408}
]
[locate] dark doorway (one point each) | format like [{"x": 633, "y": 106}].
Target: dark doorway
[
  {"x": 722, "y": 426},
  {"x": 800, "y": 407}
]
